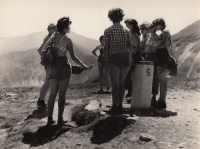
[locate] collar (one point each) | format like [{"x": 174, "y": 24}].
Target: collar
[{"x": 118, "y": 23}]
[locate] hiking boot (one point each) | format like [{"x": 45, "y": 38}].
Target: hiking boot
[
  {"x": 160, "y": 104},
  {"x": 108, "y": 90},
  {"x": 100, "y": 91},
  {"x": 41, "y": 104},
  {"x": 60, "y": 121},
  {"x": 50, "y": 121}
]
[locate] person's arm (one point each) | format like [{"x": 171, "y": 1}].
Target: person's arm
[
  {"x": 72, "y": 54},
  {"x": 130, "y": 38},
  {"x": 163, "y": 43},
  {"x": 94, "y": 51}
]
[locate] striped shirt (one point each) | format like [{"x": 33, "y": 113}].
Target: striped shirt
[{"x": 118, "y": 38}]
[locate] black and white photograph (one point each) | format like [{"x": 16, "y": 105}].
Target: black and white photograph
[{"x": 100, "y": 74}]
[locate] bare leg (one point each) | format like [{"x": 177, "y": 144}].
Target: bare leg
[
  {"x": 155, "y": 83},
  {"x": 163, "y": 83},
  {"x": 63, "y": 85},
  {"x": 53, "y": 92},
  {"x": 123, "y": 73},
  {"x": 100, "y": 68},
  {"x": 45, "y": 87},
  {"x": 107, "y": 77},
  {"x": 114, "y": 76}
]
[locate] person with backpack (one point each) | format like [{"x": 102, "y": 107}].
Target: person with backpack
[
  {"x": 132, "y": 25},
  {"x": 43, "y": 91},
  {"x": 162, "y": 59},
  {"x": 101, "y": 66},
  {"x": 118, "y": 57},
  {"x": 60, "y": 70}
]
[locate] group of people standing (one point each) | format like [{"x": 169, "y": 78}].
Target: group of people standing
[{"x": 120, "y": 50}]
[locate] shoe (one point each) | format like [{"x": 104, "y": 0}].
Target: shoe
[
  {"x": 50, "y": 121},
  {"x": 60, "y": 121},
  {"x": 115, "y": 110},
  {"x": 160, "y": 104},
  {"x": 100, "y": 91},
  {"x": 127, "y": 95},
  {"x": 153, "y": 101},
  {"x": 41, "y": 104},
  {"x": 108, "y": 90}
]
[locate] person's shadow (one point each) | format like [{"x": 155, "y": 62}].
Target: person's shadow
[
  {"x": 44, "y": 135},
  {"x": 39, "y": 114},
  {"x": 151, "y": 112},
  {"x": 106, "y": 129}
]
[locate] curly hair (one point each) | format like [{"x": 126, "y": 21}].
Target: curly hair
[
  {"x": 50, "y": 26},
  {"x": 134, "y": 23},
  {"x": 101, "y": 38},
  {"x": 116, "y": 15},
  {"x": 63, "y": 23},
  {"x": 159, "y": 21}
]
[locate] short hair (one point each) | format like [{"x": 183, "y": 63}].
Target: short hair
[
  {"x": 149, "y": 26},
  {"x": 51, "y": 26},
  {"x": 100, "y": 38},
  {"x": 144, "y": 25},
  {"x": 116, "y": 15},
  {"x": 159, "y": 21},
  {"x": 63, "y": 23}
]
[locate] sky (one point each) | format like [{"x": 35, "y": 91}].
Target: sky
[{"x": 90, "y": 17}]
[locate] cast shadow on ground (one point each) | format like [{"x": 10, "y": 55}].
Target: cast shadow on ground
[
  {"x": 106, "y": 129},
  {"x": 39, "y": 114},
  {"x": 151, "y": 112},
  {"x": 104, "y": 92},
  {"x": 44, "y": 135}
]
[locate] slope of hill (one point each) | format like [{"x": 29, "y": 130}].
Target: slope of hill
[
  {"x": 20, "y": 66},
  {"x": 23, "y": 68},
  {"x": 34, "y": 40},
  {"x": 186, "y": 47}
]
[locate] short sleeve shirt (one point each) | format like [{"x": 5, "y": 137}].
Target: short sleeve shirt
[{"x": 118, "y": 38}]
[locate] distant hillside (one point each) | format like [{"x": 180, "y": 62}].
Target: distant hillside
[
  {"x": 186, "y": 47},
  {"x": 23, "y": 68},
  {"x": 20, "y": 61},
  {"x": 34, "y": 40}
]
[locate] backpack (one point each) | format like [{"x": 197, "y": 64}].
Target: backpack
[
  {"x": 47, "y": 56},
  {"x": 172, "y": 66}
]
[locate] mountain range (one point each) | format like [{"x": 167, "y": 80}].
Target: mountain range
[{"x": 20, "y": 62}]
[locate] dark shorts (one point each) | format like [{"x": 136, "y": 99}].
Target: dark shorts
[
  {"x": 120, "y": 59},
  {"x": 101, "y": 60},
  {"x": 61, "y": 69},
  {"x": 162, "y": 57},
  {"x": 150, "y": 57}
]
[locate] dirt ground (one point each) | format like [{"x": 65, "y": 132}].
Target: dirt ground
[{"x": 22, "y": 125}]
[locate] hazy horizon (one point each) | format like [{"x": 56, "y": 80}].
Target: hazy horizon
[{"x": 89, "y": 17}]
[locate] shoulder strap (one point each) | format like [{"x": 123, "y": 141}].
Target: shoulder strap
[{"x": 61, "y": 39}]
